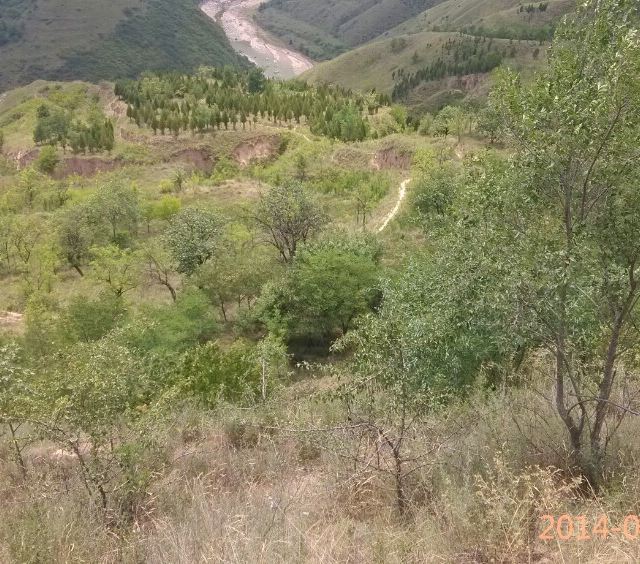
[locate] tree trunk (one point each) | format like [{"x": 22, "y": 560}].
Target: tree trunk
[
  {"x": 172, "y": 290},
  {"x": 18, "y": 451},
  {"x": 606, "y": 387}
]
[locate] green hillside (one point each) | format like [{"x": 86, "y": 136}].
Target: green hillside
[
  {"x": 494, "y": 18},
  {"x": 428, "y": 59},
  {"x": 398, "y": 66},
  {"x": 325, "y": 29},
  {"x": 94, "y": 40},
  {"x": 253, "y": 320}
]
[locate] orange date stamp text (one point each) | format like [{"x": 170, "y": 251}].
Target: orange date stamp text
[{"x": 582, "y": 528}]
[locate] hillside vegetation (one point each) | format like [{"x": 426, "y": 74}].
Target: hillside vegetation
[
  {"x": 323, "y": 30},
  {"x": 249, "y": 320},
  {"x": 427, "y": 70},
  {"x": 508, "y": 19},
  {"x": 93, "y": 40},
  {"x": 431, "y": 59}
]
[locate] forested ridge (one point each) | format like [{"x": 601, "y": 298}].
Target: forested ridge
[
  {"x": 220, "y": 97},
  {"x": 247, "y": 319}
]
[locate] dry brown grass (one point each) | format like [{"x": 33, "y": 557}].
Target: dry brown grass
[{"x": 260, "y": 486}]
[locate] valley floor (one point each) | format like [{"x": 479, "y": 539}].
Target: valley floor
[{"x": 249, "y": 40}]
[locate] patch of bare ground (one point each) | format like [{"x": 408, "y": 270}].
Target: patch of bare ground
[
  {"x": 257, "y": 149},
  {"x": 24, "y": 158},
  {"x": 200, "y": 159},
  {"x": 83, "y": 166},
  {"x": 234, "y": 191},
  {"x": 391, "y": 158},
  {"x": 11, "y": 320}
]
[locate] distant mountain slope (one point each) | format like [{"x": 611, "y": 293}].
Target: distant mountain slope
[
  {"x": 324, "y": 29},
  {"x": 445, "y": 53},
  {"x": 105, "y": 39},
  {"x": 426, "y": 70},
  {"x": 509, "y": 19}
]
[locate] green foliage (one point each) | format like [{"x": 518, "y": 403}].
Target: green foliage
[
  {"x": 75, "y": 237},
  {"x": 166, "y": 207},
  {"x": 16, "y": 382},
  {"x": 92, "y": 386},
  {"x": 218, "y": 97},
  {"x": 490, "y": 122},
  {"x": 213, "y": 374},
  {"x": 235, "y": 275},
  {"x": 347, "y": 124},
  {"x": 47, "y": 160},
  {"x": 329, "y": 284},
  {"x": 116, "y": 207},
  {"x": 173, "y": 328},
  {"x": 458, "y": 57},
  {"x": 192, "y": 237},
  {"x": 578, "y": 210},
  {"x": 434, "y": 189},
  {"x": 90, "y": 319},
  {"x": 287, "y": 216},
  {"x": 119, "y": 269}
]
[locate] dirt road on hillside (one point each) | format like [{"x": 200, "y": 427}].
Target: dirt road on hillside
[
  {"x": 249, "y": 40},
  {"x": 402, "y": 194}
]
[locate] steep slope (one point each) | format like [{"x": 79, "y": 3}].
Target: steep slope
[
  {"x": 95, "y": 40},
  {"x": 325, "y": 29},
  {"x": 446, "y": 52},
  {"x": 427, "y": 70},
  {"x": 509, "y": 19}
]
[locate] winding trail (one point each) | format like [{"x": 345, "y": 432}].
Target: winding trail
[
  {"x": 401, "y": 196},
  {"x": 234, "y": 16}
]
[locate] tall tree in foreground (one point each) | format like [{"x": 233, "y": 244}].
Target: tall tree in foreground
[
  {"x": 288, "y": 217},
  {"x": 577, "y": 132}
]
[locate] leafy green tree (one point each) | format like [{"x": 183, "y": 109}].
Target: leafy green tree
[
  {"x": 115, "y": 205},
  {"x": 287, "y": 217},
  {"x": 52, "y": 127},
  {"x": 16, "y": 383},
  {"x": 490, "y": 123},
  {"x": 47, "y": 160},
  {"x": 257, "y": 81},
  {"x": 75, "y": 237},
  {"x": 160, "y": 267},
  {"x": 119, "y": 269},
  {"x": 328, "y": 286},
  {"x": 91, "y": 386},
  {"x": 235, "y": 275},
  {"x": 27, "y": 231},
  {"x": 575, "y": 173},
  {"x": 426, "y": 124},
  {"x": 37, "y": 275},
  {"x": 192, "y": 238},
  {"x": 443, "y": 123},
  {"x": 90, "y": 319},
  {"x": 399, "y": 114},
  {"x": 172, "y": 329},
  {"x": 271, "y": 355}
]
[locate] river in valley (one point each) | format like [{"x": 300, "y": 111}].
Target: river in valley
[{"x": 235, "y": 17}]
